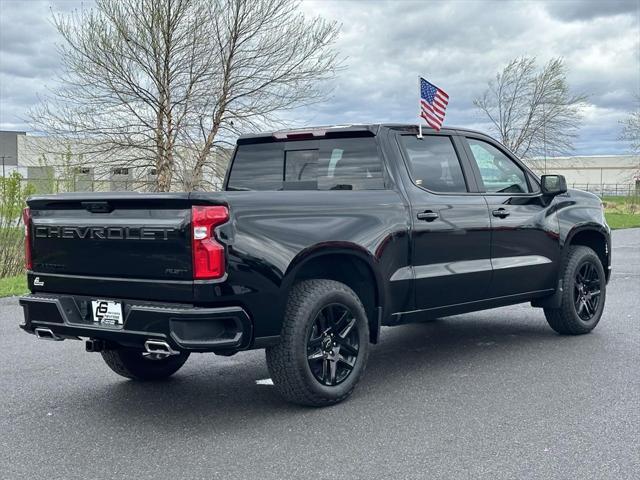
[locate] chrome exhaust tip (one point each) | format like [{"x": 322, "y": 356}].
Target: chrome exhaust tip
[
  {"x": 46, "y": 334},
  {"x": 159, "y": 347}
]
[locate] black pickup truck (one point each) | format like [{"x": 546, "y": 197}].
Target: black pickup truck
[{"x": 319, "y": 237}]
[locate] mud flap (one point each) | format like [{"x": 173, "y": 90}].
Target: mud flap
[{"x": 552, "y": 301}]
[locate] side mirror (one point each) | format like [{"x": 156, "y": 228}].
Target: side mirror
[{"x": 553, "y": 184}]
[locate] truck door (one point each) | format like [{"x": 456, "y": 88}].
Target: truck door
[
  {"x": 450, "y": 223},
  {"x": 525, "y": 244}
]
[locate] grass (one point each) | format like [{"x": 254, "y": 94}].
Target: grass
[
  {"x": 622, "y": 220},
  {"x": 622, "y": 199},
  {"x": 10, "y": 286},
  {"x": 622, "y": 212}
]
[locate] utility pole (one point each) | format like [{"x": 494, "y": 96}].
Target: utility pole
[
  {"x": 3, "y": 176},
  {"x": 544, "y": 137},
  {"x": 3, "y": 157}
]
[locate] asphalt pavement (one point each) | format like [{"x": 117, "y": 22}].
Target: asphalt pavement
[{"x": 495, "y": 394}]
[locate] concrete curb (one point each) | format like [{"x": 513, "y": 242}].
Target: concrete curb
[{"x": 9, "y": 301}]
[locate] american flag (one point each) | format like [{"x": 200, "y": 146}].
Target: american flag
[{"x": 433, "y": 104}]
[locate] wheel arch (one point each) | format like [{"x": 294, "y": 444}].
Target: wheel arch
[
  {"x": 349, "y": 264},
  {"x": 594, "y": 236}
]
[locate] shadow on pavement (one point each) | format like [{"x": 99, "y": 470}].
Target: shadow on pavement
[{"x": 210, "y": 396}]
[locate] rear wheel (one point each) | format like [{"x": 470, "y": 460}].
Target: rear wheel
[
  {"x": 324, "y": 344},
  {"x": 583, "y": 296},
  {"x": 138, "y": 365}
]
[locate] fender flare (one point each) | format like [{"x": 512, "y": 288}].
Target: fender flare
[
  {"x": 581, "y": 227},
  {"x": 346, "y": 249}
]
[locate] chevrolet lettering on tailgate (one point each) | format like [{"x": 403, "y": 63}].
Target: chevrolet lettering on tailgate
[{"x": 104, "y": 233}]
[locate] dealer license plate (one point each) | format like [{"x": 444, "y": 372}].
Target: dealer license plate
[{"x": 107, "y": 312}]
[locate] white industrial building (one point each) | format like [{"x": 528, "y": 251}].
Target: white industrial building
[
  {"x": 71, "y": 169},
  {"x": 596, "y": 173},
  {"x": 31, "y": 156}
]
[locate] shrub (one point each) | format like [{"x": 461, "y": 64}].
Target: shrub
[{"x": 13, "y": 195}]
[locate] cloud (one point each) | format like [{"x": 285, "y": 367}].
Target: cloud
[
  {"x": 458, "y": 45},
  {"x": 464, "y": 44},
  {"x": 29, "y": 62},
  {"x": 587, "y": 9}
]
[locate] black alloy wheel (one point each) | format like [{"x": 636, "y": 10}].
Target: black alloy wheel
[
  {"x": 333, "y": 344},
  {"x": 587, "y": 289}
]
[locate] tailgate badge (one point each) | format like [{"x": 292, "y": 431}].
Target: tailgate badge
[
  {"x": 97, "y": 207},
  {"x": 37, "y": 282}
]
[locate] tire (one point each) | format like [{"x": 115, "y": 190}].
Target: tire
[
  {"x": 134, "y": 365},
  {"x": 303, "y": 365},
  {"x": 576, "y": 316}
]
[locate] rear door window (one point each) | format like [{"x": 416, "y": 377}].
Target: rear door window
[
  {"x": 327, "y": 164},
  {"x": 434, "y": 163}
]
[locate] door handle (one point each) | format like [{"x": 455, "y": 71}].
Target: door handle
[
  {"x": 501, "y": 213},
  {"x": 428, "y": 216}
]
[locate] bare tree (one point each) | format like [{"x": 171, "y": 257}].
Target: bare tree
[
  {"x": 631, "y": 128},
  {"x": 165, "y": 84},
  {"x": 631, "y": 134},
  {"x": 532, "y": 111}
]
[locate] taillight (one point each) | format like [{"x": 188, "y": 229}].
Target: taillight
[
  {"x": 208, "y": 254},
  {"x": 26, "y": 219}
]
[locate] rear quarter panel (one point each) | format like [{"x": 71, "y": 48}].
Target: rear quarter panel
[{"x": 272, "y": 233}]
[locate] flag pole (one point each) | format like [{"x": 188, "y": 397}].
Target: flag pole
[{"x": 419, "y": 116}]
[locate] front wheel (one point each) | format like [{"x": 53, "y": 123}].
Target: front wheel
[
  {"x": 138, "y": 365},
  {"x": 324, "y": 344},
  {"x": 584, "y": 289}
]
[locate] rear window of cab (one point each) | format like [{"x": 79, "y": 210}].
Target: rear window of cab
[{"x": 325, "y": 164}]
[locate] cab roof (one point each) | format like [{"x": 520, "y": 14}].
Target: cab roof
[{"x": 370, "y": 129}]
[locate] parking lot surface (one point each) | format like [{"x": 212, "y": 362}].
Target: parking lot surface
[{"x": 495, "y": 394}]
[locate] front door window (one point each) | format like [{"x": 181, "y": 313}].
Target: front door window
[{"x": 499, "y": 173}]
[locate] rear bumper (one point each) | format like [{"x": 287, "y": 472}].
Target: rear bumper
[{"x": 183, "y": 327}]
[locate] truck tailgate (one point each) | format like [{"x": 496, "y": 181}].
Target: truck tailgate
[{"x": 112, "y": 244}]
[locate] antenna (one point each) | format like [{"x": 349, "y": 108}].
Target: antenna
[{"x": 419, "y": 137}]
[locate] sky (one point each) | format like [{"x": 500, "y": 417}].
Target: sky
[{"x": 457, "y": 45}]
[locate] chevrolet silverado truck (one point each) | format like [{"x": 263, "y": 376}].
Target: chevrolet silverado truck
[{"x": 319, "y": 237}]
